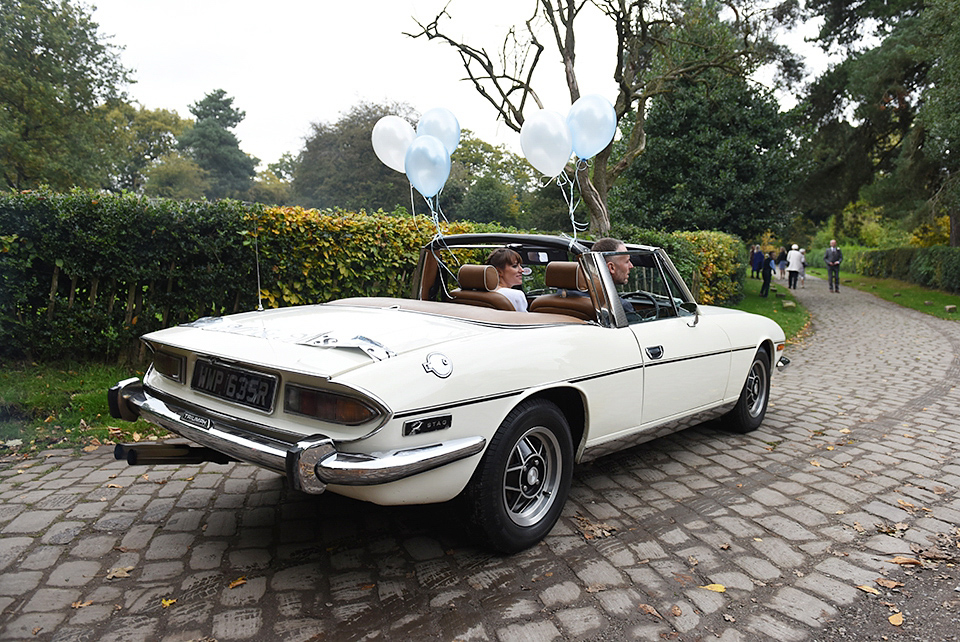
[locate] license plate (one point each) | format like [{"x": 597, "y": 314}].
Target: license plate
[{"x": 245, "y": 387}]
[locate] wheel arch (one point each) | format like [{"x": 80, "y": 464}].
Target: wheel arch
[{"x": 572, "y": 404}]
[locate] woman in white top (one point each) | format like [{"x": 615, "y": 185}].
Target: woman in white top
[{"x": 510, "y": 270}]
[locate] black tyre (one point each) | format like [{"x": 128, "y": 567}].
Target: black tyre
[
  {"x": 519, "y": 489},
  {"x": 748, "y": 414}
]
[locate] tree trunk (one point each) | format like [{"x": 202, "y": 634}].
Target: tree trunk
[{"x": 53, "y": 292}]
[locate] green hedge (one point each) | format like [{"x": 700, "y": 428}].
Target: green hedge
[
  {"x": 84, "y": 274},
  {"x": 933, "y": 267}
]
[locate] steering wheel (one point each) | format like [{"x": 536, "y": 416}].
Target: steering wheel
[{"x": 649, "y": 297}]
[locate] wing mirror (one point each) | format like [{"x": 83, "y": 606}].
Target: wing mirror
[{"x": 694, "y": 309}]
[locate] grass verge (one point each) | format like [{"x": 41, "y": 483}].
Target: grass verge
[
  {"x": 915, "y": 297},
  {"x": 63, "y": 406},
  {"x": 793, "y": 320}
]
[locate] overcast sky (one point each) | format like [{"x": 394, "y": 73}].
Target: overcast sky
[{"x": 290, "y": 63}]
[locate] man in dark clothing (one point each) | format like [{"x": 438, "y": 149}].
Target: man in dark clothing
[
  {"x": 767, "y": 272},
  {"x": 833, "y": 258}
]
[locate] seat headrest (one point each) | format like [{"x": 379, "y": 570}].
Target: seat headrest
[
  {"x": 478, "y": 277},
  {"x": 565, "y": 274}
]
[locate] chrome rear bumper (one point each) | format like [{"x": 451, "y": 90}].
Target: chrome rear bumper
[{"x": 310, "y": 463}]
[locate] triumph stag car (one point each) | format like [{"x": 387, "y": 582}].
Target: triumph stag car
[{"x": 452, "y": 393}]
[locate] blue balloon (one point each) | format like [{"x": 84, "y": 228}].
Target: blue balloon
[
  {"x": 427, "y": 165},
  {"x": 592, "y": 121}
]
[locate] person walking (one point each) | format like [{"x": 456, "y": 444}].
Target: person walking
[
  {"x": 767, "y": 272},
  {"x": 782, "y": 262},
  {"x": 833, "y": 258},
  {"x": 794, "y": 265},
  {"x": 756, "y": 261},
  {"x": 803, "y": 268}
]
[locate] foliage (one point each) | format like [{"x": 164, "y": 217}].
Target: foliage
[
  {"x": 216, "y": 149},
  {"x": 83, "y": 274},
  {"x": 722, "y": 266},
  {"x": 338, "y": 167},
  {"x": 175, "y": 176},
  {"x": 930, "y": 234},
  {"x": 712, "y": 264},
  {"x": 933, "y": 267},
  {"x": 718, "y": 157},
  {"x": 312, "y": 256},
  {"x": 140, "y": 138},
  {"x": 56, "y": 71},
  {"x": 270, "y": 189}
]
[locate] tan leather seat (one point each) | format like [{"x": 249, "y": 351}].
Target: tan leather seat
[
  {"x": 477, "y": 285},
  {"x": 573, "y": 299}
]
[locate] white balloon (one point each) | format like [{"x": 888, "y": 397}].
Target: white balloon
[
  {"x": 428, "y": 165},
  {"x": 391, "y": 137},
  {"x": 546, "y": 142},
  {"x": 593, "y": 122},
  {"x": 442, "y": 125}
]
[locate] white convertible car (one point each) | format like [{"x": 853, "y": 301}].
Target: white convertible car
[{"x": 452, "y": 393}]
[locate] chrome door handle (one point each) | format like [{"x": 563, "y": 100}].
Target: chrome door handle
[{"x": 655, "y": 352}]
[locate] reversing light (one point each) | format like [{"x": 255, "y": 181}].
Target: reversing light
[
  {"x": 326, "y": 406},
  {"x": 169, "y": 365}
]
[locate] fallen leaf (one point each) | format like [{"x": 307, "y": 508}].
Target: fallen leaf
[
  {"x": 240, "y": 581},
  {"x": 168, "y": 602},
  {"x": 845, "y": 431},
  {"x": 595, "y": 588},
  {"x": 80, "y": 605},
  {"x": 815, "y": 463},
  {"x": 906, "y": 504},
  {"x": 859, "y": 528},
  {"x": 905, "y": 561},
  {"x": 90, "y": 448},
  {"x": 693, "y": 561},
  {"x": 119, "y": 571},
  {"x": 717, "y": 588},
  {"x": 649, "y": 610},
  {"x": 729, "y": 618},
  {"x": 885, "y": 583},
  {"x": 675, "y": 611},
  {"x": 724, "y": 547},
  {"x": 136, "y": 436},
  {"x": 868, "y": 589},
  {"x": 939, "y": 490},
  {"x": 114, "y": 486},
  {"x": 896, "y": 619}
]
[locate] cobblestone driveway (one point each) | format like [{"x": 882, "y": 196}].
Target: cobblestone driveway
[{"x": 863, "y": 431}]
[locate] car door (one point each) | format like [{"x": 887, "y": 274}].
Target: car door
[{"x": 686, "y": 357}]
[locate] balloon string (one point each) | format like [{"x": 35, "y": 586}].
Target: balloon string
[{"x": 574, "y": 198}]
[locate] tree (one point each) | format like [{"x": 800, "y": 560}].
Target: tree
[
  {"x": 894, "y": 151},
  {"x": 270, "y": 189},
  {"x": 489, "y": 200},
  {"x": 176, "y": 176},
  {"x": 216, "y": 149},
  {"x": 941, "y": 35},
  {"x": 718, "y": 157},
  {"x": 338, "y": 167},
  {"x": 140, "y": 138},
  {"x": 55, "y": 72},
  {"x": 657, "y": 43}
]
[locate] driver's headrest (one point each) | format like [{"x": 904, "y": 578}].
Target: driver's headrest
[{"x": 565, "y": 274}]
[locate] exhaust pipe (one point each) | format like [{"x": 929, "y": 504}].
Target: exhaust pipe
[{"x": 150, "y": 454}]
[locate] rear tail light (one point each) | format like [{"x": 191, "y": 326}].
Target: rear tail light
[{"x": 327, "y": 406}]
